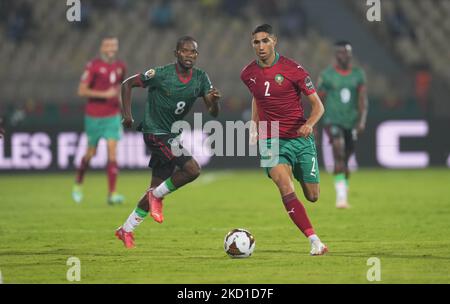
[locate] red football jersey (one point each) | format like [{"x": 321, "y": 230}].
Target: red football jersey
[
  {"x": 100, "y": 75},
  {"x": 277, "y": 91}
]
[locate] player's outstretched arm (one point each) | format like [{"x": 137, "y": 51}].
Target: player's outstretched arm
[
  {"x": 363, "y": 106},
  {"x": 316, "y": 113},
  {"x": 211, "y": 100},
  {"x": 125, "y": 93}
]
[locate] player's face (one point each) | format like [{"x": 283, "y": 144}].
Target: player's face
[
  {"x": 187, "y": 54},
  {"x": 264, "y": 45},
  {"x": 109, "y": 48},
  {"x": 343, "y": 56}
]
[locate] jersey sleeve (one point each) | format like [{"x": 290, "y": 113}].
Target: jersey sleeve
[
  {"x": 89, "y": 73},
  {"x": 149, "y": 78},
  {"x": 304, "y": 82},
  {"x": 205, "y": 84},
  {"x": 362, "y": 78}
]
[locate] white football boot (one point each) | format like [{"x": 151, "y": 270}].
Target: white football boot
[{"x": 318, "y": 248}]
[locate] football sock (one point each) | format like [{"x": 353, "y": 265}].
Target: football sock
[
  {"x": 298, "y": 214},
  {"x": 341, "y": 187},
  {"x": 136, "y": 217},
  {"x": 81, "y": 170},
  {"x": 165, "y": 188},
  {"x": 113, "y": 170}
]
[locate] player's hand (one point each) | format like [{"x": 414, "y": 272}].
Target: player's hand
[
  {"x": 214, "y": 94},
  {"x": 112, "y": 92},
  {"x": 305, "y": 130},
  {"x": 127, "y": 122}
]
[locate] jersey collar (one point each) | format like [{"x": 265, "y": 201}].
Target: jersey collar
[
  {"x": 277, "y": 56},
  {"x": 343, "y": 72},
  {"x": 182, "y": 79}
]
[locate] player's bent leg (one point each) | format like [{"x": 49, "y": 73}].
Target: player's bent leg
[
  {"x": 137, "y": 216},
  {"x": 77, "y": 192},
  {"x": 281, "y": 174},
  {"x": 112, "y": 170},
  {"x": 187, "y": 174}
]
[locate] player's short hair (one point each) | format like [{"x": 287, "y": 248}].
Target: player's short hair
[
  {"x": 183, "y": 40},
  {"x": 265, "y": 28},
  {"x": 343, "y": 43},
  {"x": 109, "y": 36}
]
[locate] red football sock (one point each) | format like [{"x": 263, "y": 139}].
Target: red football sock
[
  {"x": 298, "y": 214},
  {"x": 81, "y": 170},
  {"x": 112, "y": 170}
]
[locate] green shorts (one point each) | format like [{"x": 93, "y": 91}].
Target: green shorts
[
  {"x": 102, "y": 127},
  {"x": 300, "y": 153}
]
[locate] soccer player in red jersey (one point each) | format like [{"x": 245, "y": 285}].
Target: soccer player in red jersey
[
  {"x": 276, "y": 84},
  {"x": 100, "y": 83}
]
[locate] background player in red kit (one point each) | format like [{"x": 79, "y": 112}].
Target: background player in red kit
[
  {"x": 276, "y": 83},
  {"x": 100, "y": 83}
]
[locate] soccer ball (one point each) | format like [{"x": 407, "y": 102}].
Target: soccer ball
[{"x": 239, "y": 243}]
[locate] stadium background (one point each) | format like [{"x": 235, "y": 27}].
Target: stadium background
[{"x": 406, "y": 57}]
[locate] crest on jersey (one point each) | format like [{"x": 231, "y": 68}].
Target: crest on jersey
[
  {"x": 119, "y": 71},
  {"x": 279, "y": 78},
  {"x": 150, "y": 73}
]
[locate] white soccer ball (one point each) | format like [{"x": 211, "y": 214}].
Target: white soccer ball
[{"x": 239, "y": 243}]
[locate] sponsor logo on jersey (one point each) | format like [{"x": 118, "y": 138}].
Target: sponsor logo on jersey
[
  {"x": 279, "y": 78},
  {"x": 103, "y": 70},
  {"x": 308, "y": 83}
]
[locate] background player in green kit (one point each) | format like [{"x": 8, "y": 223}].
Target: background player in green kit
[
  {"x": 342, "y": 87},
  {"x": 172, "y": 91}
]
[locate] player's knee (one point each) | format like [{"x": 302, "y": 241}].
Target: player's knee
[
  {"x": 339, "y": 166},
  {"x": 314, "y": 197},
  {"x": 193, "y": 170}
]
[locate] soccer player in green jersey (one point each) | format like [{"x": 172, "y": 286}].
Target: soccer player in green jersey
[
  {"x": 172, "y": 91},
  {"x": 342, "y": 87}
]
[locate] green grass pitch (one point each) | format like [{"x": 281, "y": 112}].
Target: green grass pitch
[{"x": 400, "y": 217}]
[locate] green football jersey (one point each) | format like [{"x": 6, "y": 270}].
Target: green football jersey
[
  {"x": 170, "y": 99},
  {"x": 341, "y": 101}
]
